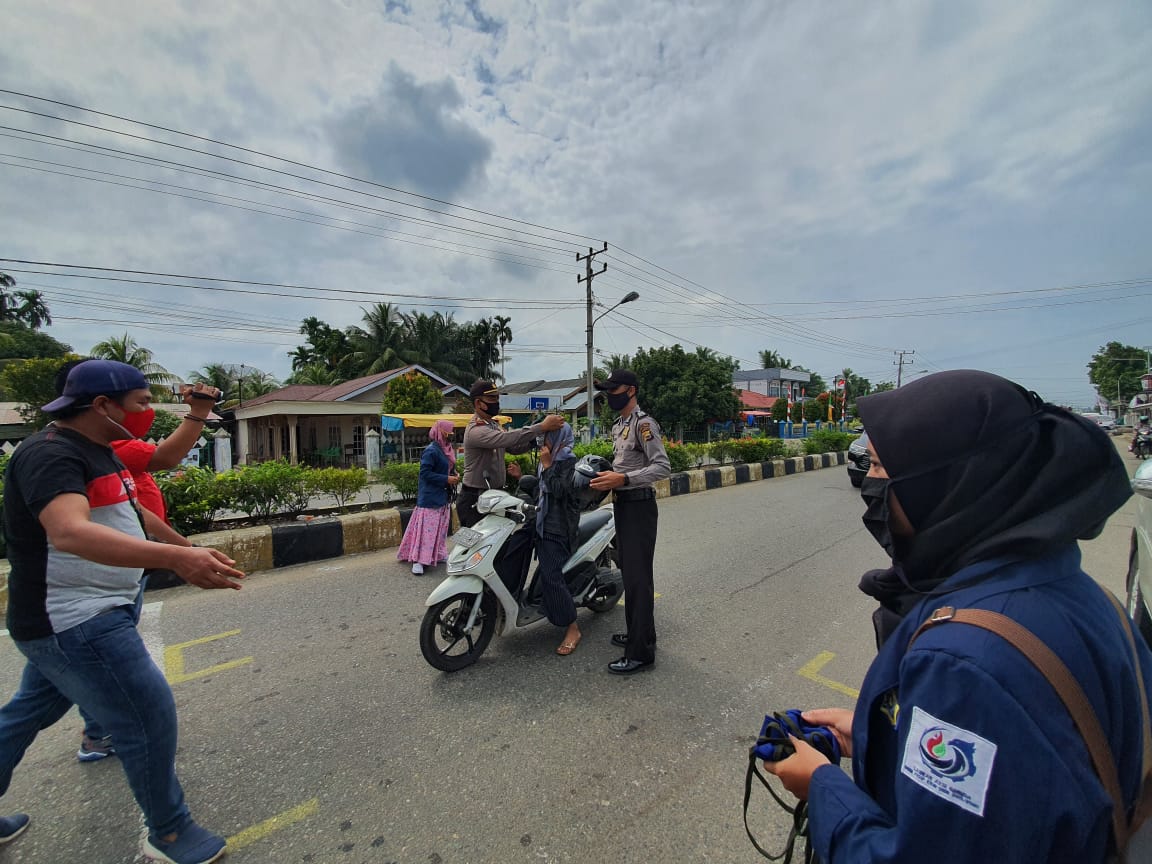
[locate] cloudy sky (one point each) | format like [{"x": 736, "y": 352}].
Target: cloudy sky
[{"x": 969, "y": 181}]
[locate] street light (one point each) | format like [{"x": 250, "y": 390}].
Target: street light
[{"x": 628, "y": 298}]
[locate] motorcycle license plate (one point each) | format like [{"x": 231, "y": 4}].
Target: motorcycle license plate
[{"x": 466, "y": 537}]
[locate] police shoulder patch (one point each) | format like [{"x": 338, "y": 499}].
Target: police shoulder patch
[
  {"x": 645, "y": 430},
  {"x": 950, "y": 762}
]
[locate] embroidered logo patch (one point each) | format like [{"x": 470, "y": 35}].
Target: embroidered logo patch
[
  {"x": 950, "y": 762},
  {"x": 645, "y": 432},
  {"x": 624, "y": 433}
]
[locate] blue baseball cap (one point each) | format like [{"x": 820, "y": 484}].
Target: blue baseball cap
[{"x": 96, "y": 378}]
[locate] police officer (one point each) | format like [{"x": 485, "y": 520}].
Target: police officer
[
  {"x": 638, "y": 461},
  {"x": 484, "y": 446}
]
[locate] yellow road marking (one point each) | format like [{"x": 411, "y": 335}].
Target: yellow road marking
[
  {"x": 811, "y": 671},
  {"x": 258, "y": 832},
  {"x": 655, "y": 596},
  {"x": 174, "y": 660}
]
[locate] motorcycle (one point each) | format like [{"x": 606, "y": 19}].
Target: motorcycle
[
  {"x": 1142, "y": 445},
  {"x": 487, "y": 591}
]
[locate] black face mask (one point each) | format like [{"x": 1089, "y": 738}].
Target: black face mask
[
  {"x": 492, "y": 408},
  {"x": 874, "y": 491},
  {"x": 617, "y": 401}
]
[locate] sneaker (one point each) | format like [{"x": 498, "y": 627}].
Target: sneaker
[
  {"x": 12, "y": 827},
  {"x": 418, "y": 569},
  {"x": 95, "y": 749},
  {"x": 193, "y": 845}
]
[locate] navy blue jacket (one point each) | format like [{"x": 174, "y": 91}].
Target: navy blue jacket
[
  {"x": 963, "y": 752},
  {"x": 432, "y": 492}
]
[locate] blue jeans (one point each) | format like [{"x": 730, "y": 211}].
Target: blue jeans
[
  {"x": 92, "y": 729},
  {"x": 103, "y": 665}
]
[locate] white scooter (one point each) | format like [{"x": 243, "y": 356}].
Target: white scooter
[{"x": 487, "y": 590}]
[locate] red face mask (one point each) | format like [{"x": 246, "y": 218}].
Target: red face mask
[{"x": 139, "y": 422}]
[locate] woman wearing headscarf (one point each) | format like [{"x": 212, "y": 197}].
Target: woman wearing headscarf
[
  {"x": 961, "y": 749},
  {"x": 557, "y": 521},
  {"x": 425, "y": 539}
]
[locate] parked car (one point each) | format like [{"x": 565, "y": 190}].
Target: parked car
[
  {"x": 1140, "y": 558},
  {"x": 858, "y": 461},
  {"x": 1104, "y": 421}
]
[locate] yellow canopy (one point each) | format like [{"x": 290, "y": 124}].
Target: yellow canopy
[{"x": 426, "y": 421}]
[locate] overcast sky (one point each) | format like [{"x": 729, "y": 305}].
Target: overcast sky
[{"x": 795, "y": 176}]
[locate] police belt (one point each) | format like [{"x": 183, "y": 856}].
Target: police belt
[{"x": 642, "y": 493}]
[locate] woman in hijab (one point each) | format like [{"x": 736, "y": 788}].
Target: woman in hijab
[
  {"x": 557, "y": 520},
  {"x": 961, "y": 749},
  {"x": 425, "y": 539}
]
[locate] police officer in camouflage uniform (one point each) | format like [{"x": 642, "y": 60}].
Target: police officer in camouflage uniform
[{"x": 639, "y": 460}]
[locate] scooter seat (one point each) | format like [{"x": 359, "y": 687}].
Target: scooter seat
[{"x": 590, "y": 523}]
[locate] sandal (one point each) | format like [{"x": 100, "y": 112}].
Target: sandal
[{"x": 567, "y": 648}]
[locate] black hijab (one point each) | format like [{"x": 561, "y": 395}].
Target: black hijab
[{"x": 983, "y": 469}]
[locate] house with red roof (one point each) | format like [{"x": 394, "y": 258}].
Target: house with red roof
[{"x": 320, "y": 423}]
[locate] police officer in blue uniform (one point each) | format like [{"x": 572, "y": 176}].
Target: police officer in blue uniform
[
  {"x": 638, "y": 461},
  {"x": 962, "y": 751}
]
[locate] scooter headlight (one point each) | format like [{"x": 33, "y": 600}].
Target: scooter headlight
[{"x": 466, "y": 564}]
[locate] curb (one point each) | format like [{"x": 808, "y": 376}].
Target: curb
[{"x": 268, "y": 547}]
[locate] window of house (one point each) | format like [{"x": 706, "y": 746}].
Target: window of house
[
  {"x": 358, "y": 440},
  {"x": 334, "y": 437},
  {"x": 285, "y": 441}
]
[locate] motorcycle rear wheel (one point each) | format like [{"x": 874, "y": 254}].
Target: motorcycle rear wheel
[{"x": 442, "y": 641}]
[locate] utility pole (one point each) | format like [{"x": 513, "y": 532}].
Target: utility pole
[
  {"x": 587, "y": 278},
  {"x": 899, "y": 364}
]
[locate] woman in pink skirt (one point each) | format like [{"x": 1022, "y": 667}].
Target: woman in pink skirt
[{"x": 425, "y": 539}]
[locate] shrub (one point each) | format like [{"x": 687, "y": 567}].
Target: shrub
[
  {"x": 404, "y": 477},
  {"x": 193, "y": 497},
  {"x": 827, "y": 441},
  {"x": 679, "y": 456},
  {"x": 757, "y": 449},
  {"x": 342, "y": 484},
  {"x": 269, "y": 487},
  {"x": 599, "y": 447}
]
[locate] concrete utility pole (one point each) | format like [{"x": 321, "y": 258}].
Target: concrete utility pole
[
  {"x": 587, "y": 278},
  {"x": 899, "y": 364}
]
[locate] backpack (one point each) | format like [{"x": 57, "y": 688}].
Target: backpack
[{"x": 1132, "y": 836}]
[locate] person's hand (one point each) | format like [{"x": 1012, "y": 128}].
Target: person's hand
[
  {"x": 200, "y": 397},
  {"x": 796, "y": 771},
  {"x": 545, "y": 456},
  {"x": 453, "y": 479},
  {"x": 514, "y": 470},
  {"x": 838, "y": 720},
  {"x": 552, "y": 422},
  {"x": 207, "y": 568},
  {"x": 607, "y": 480}
]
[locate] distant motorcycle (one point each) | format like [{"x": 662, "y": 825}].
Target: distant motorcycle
[{"x": 1142, "y": 445}]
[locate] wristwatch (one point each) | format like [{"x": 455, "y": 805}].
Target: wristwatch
[{"x": 627, "y": 480}]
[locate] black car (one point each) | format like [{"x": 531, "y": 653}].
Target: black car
[{"x": 858, "y": 460}]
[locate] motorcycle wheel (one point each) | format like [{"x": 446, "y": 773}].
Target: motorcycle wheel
[
  {"x": 607, "y": 558},
  {"x": 442, "y": 641}
]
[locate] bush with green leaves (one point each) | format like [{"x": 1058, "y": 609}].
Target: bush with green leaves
[
  {"x": 679, "y": 456},
  {"x": 827, "y": 441},
  {"x": 193, "y": 497},
  {"x": 404, "y": 477},
  {"x": 267, "y": 488},
  {"x": 598, "y": 447},
  {"x": 341, "y": 484}
]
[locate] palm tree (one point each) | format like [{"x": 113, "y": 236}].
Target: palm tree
[
  {"x": 126, "y": 350},
  {"x": 771, "y": 360},
  {"x": 375, "y": 347},
  {"x": 7, "y": 313},
  {"x": 32, "y": 310},
  {"x": 434, "y": 342},
  {"x": 614, "y": 362},
  {"x": 317, "y": 373},
  {"x": 503, "y": 335}
]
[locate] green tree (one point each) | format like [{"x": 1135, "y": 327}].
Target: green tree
[
  {"x": 18, "y": 340},
  {"x": 503, "y": 333},
  {"x": 612, "y": 363},
  {"x": 770, "y": 359},
  {"x": 325, "y": 345},
  {"x": 316, "y": 373},
  {"x": 816, "y": 383},
  {"x": 412, "y": 394},
  {"x": 683, "y": 390},
  {"x": 780, "y": 409},
  {"x": 164, "y": 424},
  {"x": 1115, "y": 371},
  {"x": 31, "y": 308},
  {"x": 884, "y": 386},
  {"x": 32, "y": 383},
  {"x": 125, "y": 349},
  {"x": 376, "y": 345}
]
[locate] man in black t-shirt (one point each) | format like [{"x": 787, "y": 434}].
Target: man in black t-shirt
[{"x": 77, "y": 545}]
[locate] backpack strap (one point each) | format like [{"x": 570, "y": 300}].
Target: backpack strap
[
  {"x": 1143, "y": 809},
  {"x": 1066, "y": 687}
]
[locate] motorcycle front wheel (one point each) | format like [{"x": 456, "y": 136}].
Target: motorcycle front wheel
[{"x": 443, "y": 641}]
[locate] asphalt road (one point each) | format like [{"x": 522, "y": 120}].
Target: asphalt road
[{"x": 313, "y": 731}]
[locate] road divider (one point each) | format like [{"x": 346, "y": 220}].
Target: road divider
[{"x": 811, "y": 671}]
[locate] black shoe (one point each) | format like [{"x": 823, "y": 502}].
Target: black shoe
[
  {"x": 620, "y": 639},
  {"x": 624, "y": 666}
]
